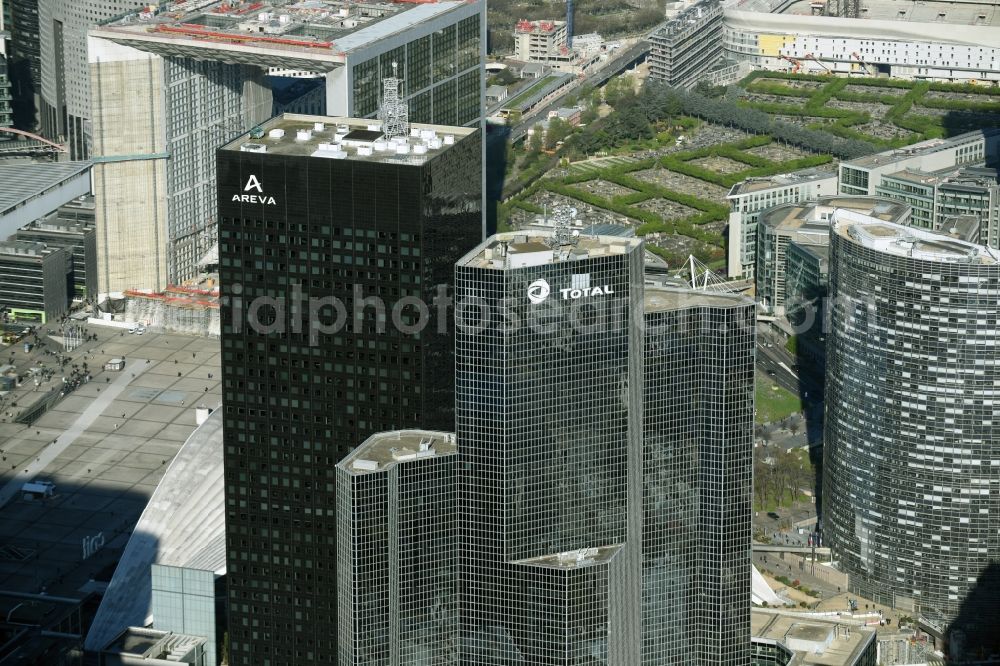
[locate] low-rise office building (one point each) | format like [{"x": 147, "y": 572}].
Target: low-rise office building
[
  {"x": 863, "y": 176},
  {"x": 937, "y": 198},
  {"x": 78, "y": 239},
  {"x": 33, "y": 280},
  {"x": 541, "y": 41},
  {"x": 807, "y": 272},
  {"x": 140, "y": 646},
  {"x": 748, "y": 198},
  {"x": 805, "y": 225},
  {"x": 791, "y": 640}
]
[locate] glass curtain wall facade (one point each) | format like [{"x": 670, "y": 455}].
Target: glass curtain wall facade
[
  {"x": 297, "y": 400},
  {"x": 696, "y": 472},
  {"x": 548, "y": 392},
  {"x": 911, "y": 509},
  {"x": 398, "y": 589},
  {"x": 441, "y": 72}
]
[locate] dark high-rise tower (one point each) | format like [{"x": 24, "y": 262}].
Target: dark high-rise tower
[{"x": 330, "y": 238}]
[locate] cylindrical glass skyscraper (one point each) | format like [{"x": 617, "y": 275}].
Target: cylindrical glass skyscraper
[{"x": 911, "y": 504}]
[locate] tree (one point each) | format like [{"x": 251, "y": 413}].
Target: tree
[
  {"x": 619, "y": 89},
  {"x": 535, "y": 140},
  {"x": 504, "y": 77},
  {"x": 558, "y": 130}
]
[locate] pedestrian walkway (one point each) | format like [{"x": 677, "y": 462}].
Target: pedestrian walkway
[{"x": 75, "y": 429}]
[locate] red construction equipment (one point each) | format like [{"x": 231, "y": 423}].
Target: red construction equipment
[
  {"x": 797, "y": 63},
  {"x": 248, "y": 8},
  {"x": 201, "y": 32}
]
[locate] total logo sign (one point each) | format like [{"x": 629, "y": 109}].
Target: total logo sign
[
  {"x": 539, "y": 290},
  {"x": 260, "y": 198}
]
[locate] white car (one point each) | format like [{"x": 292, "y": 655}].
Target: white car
[
  {"x": 133, "y": 328},
  {"x": 140, "y": 330}
]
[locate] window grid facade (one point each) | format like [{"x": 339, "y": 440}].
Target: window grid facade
[
  {"x": 548, "y": 449},
  {"x": 397, "y": 570},
  {"x": 442, "y": 77},
  {"x": 295, "y": 406},
  {"x": 697, "y": 448},
  {"x": 910, "y": 464}
]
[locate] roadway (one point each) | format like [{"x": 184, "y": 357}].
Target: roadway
[
  {"x": 781, "y": 366},
  {"x": 596, "y": 79},
  {"x": 802, "y": 550}
]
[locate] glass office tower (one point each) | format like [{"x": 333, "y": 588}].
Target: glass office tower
[
  {"x": 910, "y": 501},
  {"x": 605, "y": 436},
  {"x": 548, "y": 391},
  {"x": 697, "y": 477},
  {"x": 330, "y": 236},
  {"x": 398, "y": 583}
]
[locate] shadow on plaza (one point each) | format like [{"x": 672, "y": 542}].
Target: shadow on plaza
[
  {"x": 974, "y": 636},
  {"x": 56, "y": 555}
]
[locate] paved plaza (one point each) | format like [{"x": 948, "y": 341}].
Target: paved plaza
[{"x": 104, "y": 446}]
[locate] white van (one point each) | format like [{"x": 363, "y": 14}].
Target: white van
[{"x": 37, "y": 490}]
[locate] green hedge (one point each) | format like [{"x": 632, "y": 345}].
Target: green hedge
[
  {"x": 880, "y": 83},
  {"x": 528, "y": 206},
  {"x": 728, "y": 180},
  {"x": 841, "y": 115},
  {"x": 763, "y": 74},
  {"x": 762, "y": 86},
  {"x": 817, "y": 102},
  {"x": 966, "y": 88},
  {"x": 959, "y": 105},
  {"x": 738, "y": 155},
  {"x": 890, "y": 100}
]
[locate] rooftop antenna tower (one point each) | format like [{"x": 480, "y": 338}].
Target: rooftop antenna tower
[
  {"x": 394, "y": 112},
  {"x": 563, "y": 234}
]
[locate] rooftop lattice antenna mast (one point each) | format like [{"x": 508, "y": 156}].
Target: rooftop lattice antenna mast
[
  {"x": 394, "y": 113},
  {"x": 563, "y": 234}
]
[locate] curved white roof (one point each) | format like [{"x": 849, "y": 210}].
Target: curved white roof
[
  {"x": 877, "y": 29},
  {"x": 183, "y": 525}
]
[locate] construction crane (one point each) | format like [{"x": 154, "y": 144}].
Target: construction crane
[
  {"x": 797, "y": 63},
  {"x": 867, "y": 67},
  {"x": 810, "y": 56}
]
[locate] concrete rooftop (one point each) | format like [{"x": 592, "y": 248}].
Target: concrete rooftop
[
  {"x": 354, "y": 139},
  {"x": 535, "y": 247},
  {"x": 909, "y": 241},
  {"x": 386, "y": 449}
]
